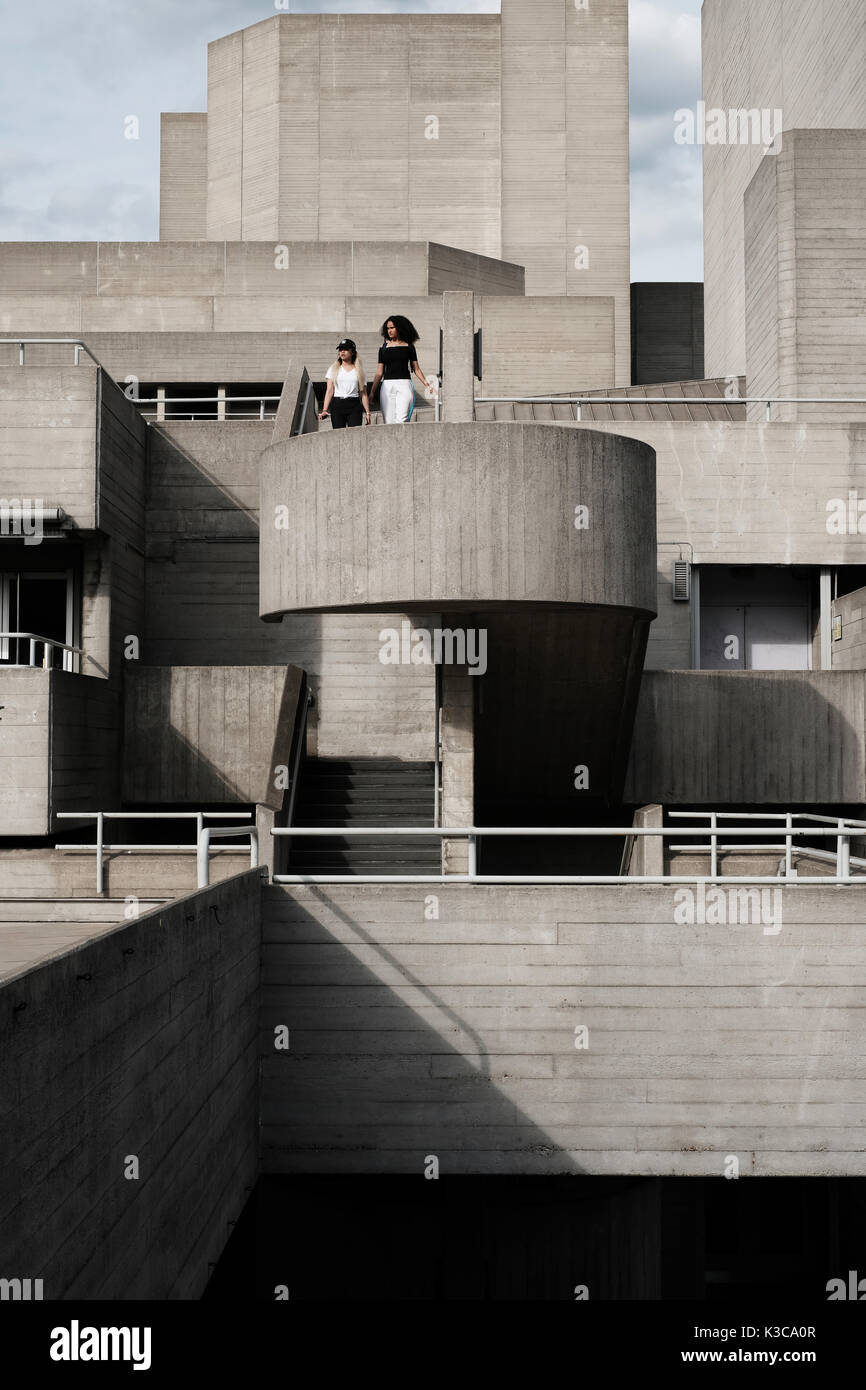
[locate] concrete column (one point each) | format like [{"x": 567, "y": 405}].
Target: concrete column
[
  {"x": 458, "y": 386},
  {"x": 458, "y": 761},
  {"x": 266, "y": 819},
  {"x": 648, "y": 857},
  {"x": 221, "y": 403}
]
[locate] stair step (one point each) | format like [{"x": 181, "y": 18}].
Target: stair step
[
  {"x": 340, "y": 794},
  {"x": 384, "y": 766},
  {"x": 321, "y": 817}
]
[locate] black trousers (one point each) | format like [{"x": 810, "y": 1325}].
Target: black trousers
[{"x": 346, "y": 412}]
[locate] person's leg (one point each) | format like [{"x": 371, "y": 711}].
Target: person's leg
[
  {"x": 403, "y": 402},
  {"x": 354, "y": 412},
  {"x": 338, "y": 414},
  {"x": 386, "y": 401}
]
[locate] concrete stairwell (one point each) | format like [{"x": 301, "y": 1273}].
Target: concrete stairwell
[{"x": 361, "y": 792}]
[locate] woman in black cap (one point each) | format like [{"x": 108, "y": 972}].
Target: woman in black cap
[
  {"x": 346, "y": 399},
  {"x": 397, "y": 361}
]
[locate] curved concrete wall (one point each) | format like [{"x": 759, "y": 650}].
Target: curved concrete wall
[{"x": 460, "y": 516}]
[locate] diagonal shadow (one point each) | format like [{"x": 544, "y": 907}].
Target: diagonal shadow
[{"x": 382, "y": 1081}]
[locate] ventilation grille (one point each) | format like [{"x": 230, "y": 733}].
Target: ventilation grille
[{"x": 682, "y": 581}]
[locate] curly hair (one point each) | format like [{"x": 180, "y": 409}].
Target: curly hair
[{"x": 405, "y": 328}]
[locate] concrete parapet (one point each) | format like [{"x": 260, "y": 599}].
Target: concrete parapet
[{"x": 476, "y": 516}]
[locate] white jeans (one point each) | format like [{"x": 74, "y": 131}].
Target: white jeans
[{"x": 397, "y": 399}]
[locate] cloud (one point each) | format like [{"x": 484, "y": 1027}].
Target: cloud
[{"x": 666, "y": 196}]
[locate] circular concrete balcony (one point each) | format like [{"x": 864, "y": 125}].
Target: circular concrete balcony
[{"x": 462, "y": 516}]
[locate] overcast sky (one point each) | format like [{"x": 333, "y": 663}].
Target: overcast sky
[{"x": 71, "y": 71}]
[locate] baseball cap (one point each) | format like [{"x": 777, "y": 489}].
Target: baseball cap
[{"x": 347, "y": 343}]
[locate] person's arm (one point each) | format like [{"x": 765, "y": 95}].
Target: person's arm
[
  {"x": 374, "y": 385},
  {"x": 416, "y": 368},
  {"x": 365, "y": 402},
  {"x": 329, "y": 395}
]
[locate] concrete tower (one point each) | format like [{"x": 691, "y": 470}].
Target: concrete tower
[
  {"x": 565, "y": 168},
  {"x": 807, "y": 60}
]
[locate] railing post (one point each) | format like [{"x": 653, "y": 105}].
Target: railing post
[
  {"x": 769, "y": 412},
  {"x": 261, "y": 410},
  {"x": 843, "y": 855},
  {"x": 714, "y": 847},
  {"x": 254, "y": 848},
  {"x": 32, "y": 651},
  {"x": 579, "y": 411},
  {"x": 77, "y": 354},
  {"x": 789, "y": 846},
  {"x": 202, "y": 858},
  {"x": 20, "y": 354},
  {"x": 472, "y": 868},
  {"x": 100, "y": 840}
]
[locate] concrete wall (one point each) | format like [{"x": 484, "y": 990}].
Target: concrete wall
[
  {"x": 203, "y": 599},
  {"x": 369, "y": 519},
  {"x": 283, "y": 162},
  {"x": 808, "y": 60},
  {"x": 85, "y": 765},
  {"x": 736, "y": 493},
  {"x": 849, "y": 653},
  {"x": 456, "y": 1037},
  {"x": 667, "y": 333},
  {"x": 24, "y": 751},
  {"x": 531, "y": 346},
  {"x": 547, "y": 344},
  {"x": 120, "y": 514},
  {"x": 805, "y": 258},
  {"x": 208, "y": 734},
  {"x": 158, "y": 1060},
  {"x": 715, "y": 738},
  {"x": 59, "y": 744},
  {"x": 183, "y": 176},
  {"x": 42, "y": 873},
  {"x": 565, "y": 151},
  {"x": 171, "y": 285},
  {"x": 48, "y": 437}
]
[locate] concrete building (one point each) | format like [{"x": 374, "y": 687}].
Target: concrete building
[
  {"x": 487, "y": 791},
  {"x": 803, "y": 60}
]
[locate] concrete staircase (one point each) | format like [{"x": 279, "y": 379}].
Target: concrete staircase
[{"x": 359, "y": 792}]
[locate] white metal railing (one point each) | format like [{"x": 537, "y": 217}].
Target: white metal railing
[
  {"x": 846, "y": 827},
  {"x": 216, "y": 412},
  {"x": 842, "y": 831},
  {"x": 48, "y": 644},
  {"x": 581, "y": 401},
  {"x": 101, "y": 848},
  {"x": 78, "y": 344},
  {"x": 209, "y": 832}
]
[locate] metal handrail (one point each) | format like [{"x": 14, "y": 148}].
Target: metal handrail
[
  {"x": 209, "y": 832},
  {"x": 841, "y": 833},
  {"x": 581, "y": 401},
  {"x": 48, "y": 643},
  {"x": 102, "y": 816},
  {"x": 218, "y": 402},
  {"x": 78, "y": 343}
]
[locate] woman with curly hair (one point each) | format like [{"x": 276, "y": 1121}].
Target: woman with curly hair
[{"x": 397, "y": 362}]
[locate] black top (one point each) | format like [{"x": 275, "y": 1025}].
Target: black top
[{"x": 397, "y": 362}]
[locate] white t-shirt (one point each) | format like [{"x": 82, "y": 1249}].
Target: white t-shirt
[{"x": 346, "y": 383}]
